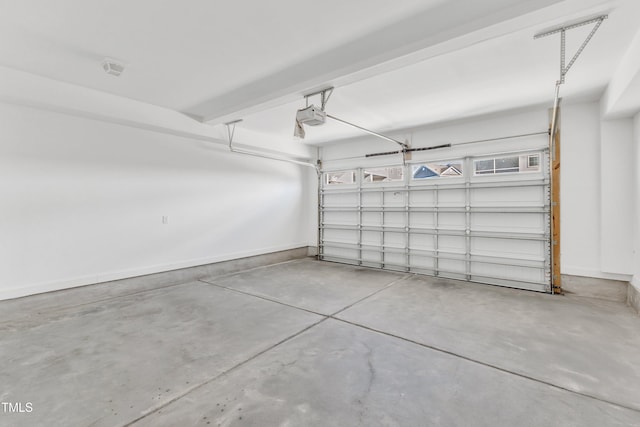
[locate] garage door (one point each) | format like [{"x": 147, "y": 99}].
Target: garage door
[{"x": 483, "y": 219}]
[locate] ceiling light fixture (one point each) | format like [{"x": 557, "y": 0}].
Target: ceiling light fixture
[{"x": 112, "y": 66}]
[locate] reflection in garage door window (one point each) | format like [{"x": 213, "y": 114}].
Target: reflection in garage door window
[
  {"x": 508, "y": 164},
  {"x": 340, "y": 177},
  {"x": 445, "y": 169},
  {"x": 388, "y": 174}
]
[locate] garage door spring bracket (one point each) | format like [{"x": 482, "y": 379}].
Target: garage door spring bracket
[
  {"x": 564, "y": 69},
  {"x": 562, "y": 30}
]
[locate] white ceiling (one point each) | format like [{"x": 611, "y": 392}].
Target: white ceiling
[
  {"x": 394, "y": 64},
  {"x": 180, "y": 53}
]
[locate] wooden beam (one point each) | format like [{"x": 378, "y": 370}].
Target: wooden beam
[{"x": 556, "y": 278}]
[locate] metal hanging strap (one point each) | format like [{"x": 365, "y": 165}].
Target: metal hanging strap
[
  {"x": 562, "y": 30},
  {"x": 325, "y": 94},
  {"x": 564, "y": 69},
  {"x": 231, "y": 131}
]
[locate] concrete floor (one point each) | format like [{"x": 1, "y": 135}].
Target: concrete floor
[{"x": 306, "y": 343}]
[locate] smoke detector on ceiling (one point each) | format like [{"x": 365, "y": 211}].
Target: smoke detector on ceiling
[{"x": 113, "y": 67}]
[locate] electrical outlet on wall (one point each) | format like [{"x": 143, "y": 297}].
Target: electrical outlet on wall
[{"x": 165, "y": 219}]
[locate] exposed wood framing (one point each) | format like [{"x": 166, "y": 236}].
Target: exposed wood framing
[{"x": 556, "y": 281}]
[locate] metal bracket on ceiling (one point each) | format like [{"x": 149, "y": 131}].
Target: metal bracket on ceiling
[
  {"x": 564, "y": 69},
  {"x": 231, "y": 130},
  {"x": 325, "y": 94}
]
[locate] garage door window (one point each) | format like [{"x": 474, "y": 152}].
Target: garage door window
[
  {"x": 445, "y": 169},
  {"x": 340, "y": 177},
  {"x": 510, "y": 164},
  {"x": 387, "y": 174}
]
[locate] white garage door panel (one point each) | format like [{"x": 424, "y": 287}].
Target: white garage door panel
[
  {"x": 451, "y": 198},
  {"x": 508, "y": 197},
  {"x": 452, "y": 220},
  {"x": 394, "y": 219},
  {"x": 464, "y": 219},
  {"x": 452, "y": 269},
  {"x": 347, "y": 256},
  {"x": 340, "y": 237},
  {"x": 509, "y": 222},
  {"x": 454, "y": 244},
  {"x": 336, "y": 217},
  {"x": 338, "y": 200},
  {"x": 422, "y": 219},
  {"x": 422, "y": 198},
  {"x": 508, "y": 248},
  {"x": 424, "y": 242},
  {"x": 422, "y": 264}
]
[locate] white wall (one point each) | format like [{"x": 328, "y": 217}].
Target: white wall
[
  {"x": 580, "y": 190},
  {"x": 636, "y": 212},
  {"x": 82, "y": 201},
  {"x": 616, "y": 198},
  {"x": 596, "y": 194},
  {"x": 312, "y": 209}
]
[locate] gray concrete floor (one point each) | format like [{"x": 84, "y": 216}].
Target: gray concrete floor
[{"x": 306, "y": 343}]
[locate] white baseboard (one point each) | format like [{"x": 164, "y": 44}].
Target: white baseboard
[
  {"x": 100, "y": 277},
  {"x": 584, "y": 272}
]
